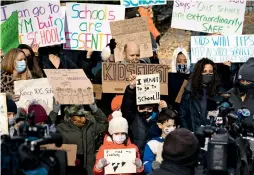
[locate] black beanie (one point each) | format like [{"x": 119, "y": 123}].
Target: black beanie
[
  {"x": 11, "y": 106},
  {"x": 181, "y": 147},
  {"x": 246, "y": 71}
]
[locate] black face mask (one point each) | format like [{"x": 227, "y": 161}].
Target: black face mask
[
  {"x": 145, "y": 115},
  {"x": 207, "y": 78},
  {"x": 244, "y": 88}
]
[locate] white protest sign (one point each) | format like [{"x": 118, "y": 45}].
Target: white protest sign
[
  {"x": 88, "y": 25},
  {"x": 121, "y": 161},
  {"x": 3, "y": 114},
  {"x": 39, "y": 23},
  {"x": 221, "y": 48},
  {"x": 148, "y": 89},
  {"x": 39, "y": 91},
  {"x": 210, "y": 16},
  {"x": 137, "y": 3}
]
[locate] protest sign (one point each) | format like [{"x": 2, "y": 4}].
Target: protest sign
[
  {"x": 171, "y": 40},
  {"x": 220, "y": 16},
  {"x": 70, "y": 86},
  {"x": 10, "y": 33},
  {"x": 88, "y": 25},
  {"x": 138, "y": 3},
  {"x": 148, "y": 89},
  {"x": 131, "y": 30},
  {"x": 4, "y": 117},
  {"x": 115, "y": 76},
  {"x": 39, "y": 23},
  {"x": 237, "y": 48},
  {"x": 70, "y": 149},
  {"x": 121, "y": 161},
  {"x": 181, "y": 91},
  {"x": 97, "y": 88},
  {"x": 37, "y": 91}
]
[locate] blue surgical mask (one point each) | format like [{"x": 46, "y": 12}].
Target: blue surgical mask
[
  {"x": 181, "y": 68},
  {"x": 11, "y": 121},
  {"x": 21, "y": 66}
]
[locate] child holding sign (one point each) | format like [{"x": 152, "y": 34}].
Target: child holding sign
[{"x": 117, "y": 139}]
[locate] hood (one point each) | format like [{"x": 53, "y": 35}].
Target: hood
[
  {"x": 176, "y": 52},
  {"x": 108, "y": 142}
]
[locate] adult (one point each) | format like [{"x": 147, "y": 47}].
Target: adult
[
  {"x": 180, "y": 154},
  {"x": 32, "y": 59},
  {"x": 14, "y": 68},
  {"x": 199, "y": 95},
  {"x": 242, "y": 94}
]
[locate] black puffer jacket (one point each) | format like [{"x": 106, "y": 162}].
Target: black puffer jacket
[{"x": 140, "y": 131}]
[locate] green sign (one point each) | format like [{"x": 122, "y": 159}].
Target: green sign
[{"x": 10, "y": 33}]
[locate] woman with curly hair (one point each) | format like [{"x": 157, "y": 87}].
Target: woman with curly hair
[{"x": 199, "y": 95}]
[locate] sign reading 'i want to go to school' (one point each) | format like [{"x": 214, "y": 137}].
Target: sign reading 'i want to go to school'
[{"x": 210, "y": 16}]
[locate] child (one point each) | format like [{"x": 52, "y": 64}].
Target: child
[
  {"x": 153, "y": 149},
  {"x": 117, "y": 139}
]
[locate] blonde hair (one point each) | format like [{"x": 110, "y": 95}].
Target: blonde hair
[{"x": 8, "y": 64}]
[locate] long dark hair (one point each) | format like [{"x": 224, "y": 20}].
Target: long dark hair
[{"x": 196, "y": 79}]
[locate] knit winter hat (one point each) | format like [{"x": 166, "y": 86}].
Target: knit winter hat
[
  {"x": 116, "y": 103},
  {"x": 247, "y": 70},
  {"x": 118, "y": 123},
  {"x": 40, "y": 114},
  {"x": 11, "y": 106},
  {"x": 181, "y": 147}
]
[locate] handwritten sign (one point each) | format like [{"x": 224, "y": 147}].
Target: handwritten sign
[
  {"x": 148, "y": 89},
  {"x": 135, "y": 30},
  {"x": 222, "y": 48},
  {"x": 115, "y": 76},
  {"x": 88, "y": 25},
  {"x": 70, "y": 149},
  {"x": 121, "y": 161},
  {"x": 10, "y": 33},
  {"x": 36, "y": 90},
  {"x": 4, "y": 118},
  {"x": 70, "y": 86},
  {"x": 39, "y": 23},
  {"x": 137, "y": 3},
  {"x": 224, "y": 16}
]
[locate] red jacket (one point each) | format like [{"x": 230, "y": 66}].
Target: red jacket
[{"x": 109, "y": 144}]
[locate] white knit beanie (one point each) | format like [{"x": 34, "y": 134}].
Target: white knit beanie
[
  {"x": 105, "y": 53},
  {"x": 118, "y": 123}
]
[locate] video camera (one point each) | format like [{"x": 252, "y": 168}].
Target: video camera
[{"x": 22, "y": 154}]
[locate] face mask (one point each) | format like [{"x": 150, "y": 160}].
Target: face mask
[
  {"x": 169, "y": 130},
  {"x": 11, "y": 121},
  {"x": 21, "y": 66},
  {"x": 145, "y": 115},
  {"x": 207, "y": 78},
  {"x": 119, "y": 139},
  {"x": 245, "y": 87},
  {"x": 181, "y": 68}
]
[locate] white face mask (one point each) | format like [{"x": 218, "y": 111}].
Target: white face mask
[
  {"x": 119, "y": 139},
  {"x": 169, "y": 130}
]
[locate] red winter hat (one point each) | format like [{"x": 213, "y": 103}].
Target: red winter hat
[
  {"x": 116, "y": 103},
  {"x": 40, "y": 115}
]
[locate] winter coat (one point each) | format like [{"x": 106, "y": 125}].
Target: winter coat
[
  {"x": 140, "y": 131},
  {"x": 84, "y": 137},
  {"x": 109, "y": 144},
  {"x": 190, "y": 110},
  {"x": 237, "y": 101},
  {"x": 172, "y": 169},
  {"x": 7, "y": 82}
]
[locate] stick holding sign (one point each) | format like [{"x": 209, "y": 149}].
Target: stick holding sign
[{"x": 148, "y": 89}]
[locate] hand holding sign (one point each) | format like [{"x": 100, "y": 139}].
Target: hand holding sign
[
  {"x": 163, "y": 104},
  {"x": 102, "y": 163},
  {"x": 132, "y": 80}
]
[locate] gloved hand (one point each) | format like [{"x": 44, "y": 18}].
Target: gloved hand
[
  {"x": 93, "y": 107},
  {"x": 138, "y": 163},
  {"x": 158, "y": 40},
  {"x": 155, "y": 165},
  {"x": 112, "y": 45},
  {"x": 56, "y": 106},
  {"x": 101, "y": 164}
]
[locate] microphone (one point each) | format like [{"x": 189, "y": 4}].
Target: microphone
[{"x": 53, "y": 138}]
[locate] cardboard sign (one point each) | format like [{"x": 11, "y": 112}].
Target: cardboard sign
[
  {"x": 220, "y": 16},
  {"x": 121, "y": 161},
  {"x": 134, "y": 30},
  {"x": 70, "y": 149},
  {"x": 181, "y": 91},
  {"x": 10, "y": 33},
  {"x": 3, "y": 113},
  {"x": 39, "y": 23},
  {"x": 88, "y": 25},
  {"x": 70, "y": 86},
  {"x": 115, "y": 76},
  {"x": 36, "y": 90},
  {"x": 237, "y": 48},
  {"x": 97, "y": 88},
  {"x": 138, "y": 3},
  {"x": 148, "y": 89}
]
